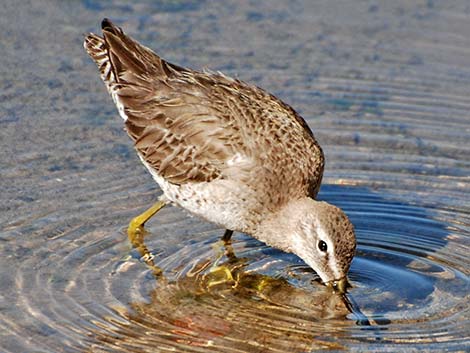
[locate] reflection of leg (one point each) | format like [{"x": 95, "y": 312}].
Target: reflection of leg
[
  {"x": 227, "y": 235},
  {"x": 136, "y": 233}
]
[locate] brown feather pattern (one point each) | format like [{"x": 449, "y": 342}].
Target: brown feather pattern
[
  {"x": 226, "y": 151},
  {"x": 189, "y": 125}
]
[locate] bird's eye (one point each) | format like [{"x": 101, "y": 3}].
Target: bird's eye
[{"x": 322, "y": 246}]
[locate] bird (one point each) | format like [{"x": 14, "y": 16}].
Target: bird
[{"x": 227, "y": 151}]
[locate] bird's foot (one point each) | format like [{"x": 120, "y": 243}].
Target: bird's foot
[
  {"x": 136, "y": 234},
  {"x": 220, "y": 275}
]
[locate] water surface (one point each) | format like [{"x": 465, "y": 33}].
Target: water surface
[{"x": 385, "y": 89}]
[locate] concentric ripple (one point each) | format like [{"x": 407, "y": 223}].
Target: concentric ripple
[
  {"x": 87, "y": 290},
  {"x": 384, "y": 86}
]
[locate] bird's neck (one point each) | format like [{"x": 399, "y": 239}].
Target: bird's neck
[{"x": 277, "y": 229}]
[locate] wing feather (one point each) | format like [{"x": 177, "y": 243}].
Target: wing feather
[{"x": 192, "y": 126}]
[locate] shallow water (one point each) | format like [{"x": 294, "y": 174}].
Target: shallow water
[{"x": 385, "y": 90}]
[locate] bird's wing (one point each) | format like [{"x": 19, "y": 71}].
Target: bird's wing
[{"x": 192, "y": 126}]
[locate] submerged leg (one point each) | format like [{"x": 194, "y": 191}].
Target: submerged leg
[
  {"x": 227, "y": 273},
  {"x": 227, "y": 235},
  {"x": 136, "y": 233}
]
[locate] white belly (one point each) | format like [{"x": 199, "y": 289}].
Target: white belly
[{"x": 222, "y": 202}]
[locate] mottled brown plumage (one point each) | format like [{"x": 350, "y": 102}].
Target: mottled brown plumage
[{"x": 225, "y": 150}]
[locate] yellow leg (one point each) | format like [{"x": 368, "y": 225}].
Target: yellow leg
[
  {"x": 136, "y": 233},
  {"x": 137, "y": 223},
  {"x": 228, "y": 272},
  {"x": 223, "y": 270}
]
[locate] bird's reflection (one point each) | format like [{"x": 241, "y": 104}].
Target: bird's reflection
[{"x": 223, "y": 303}]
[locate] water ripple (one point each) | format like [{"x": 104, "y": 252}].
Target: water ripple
[
  {"x": 251, "y": 297},
  {"x": 385, "y": 90}
]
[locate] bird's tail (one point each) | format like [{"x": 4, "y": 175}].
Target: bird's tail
[{"x": 125, "y": 65}]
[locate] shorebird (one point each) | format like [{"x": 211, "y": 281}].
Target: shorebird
[{"x": 226, "y": 151}]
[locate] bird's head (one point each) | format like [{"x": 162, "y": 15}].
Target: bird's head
[{"x": 320, "y": 234}]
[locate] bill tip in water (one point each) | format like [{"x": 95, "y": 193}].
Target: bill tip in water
[{"x": 339, "y": 286}]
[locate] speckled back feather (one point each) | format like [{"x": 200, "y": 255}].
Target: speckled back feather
[{"x": 193, "y": 127}]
